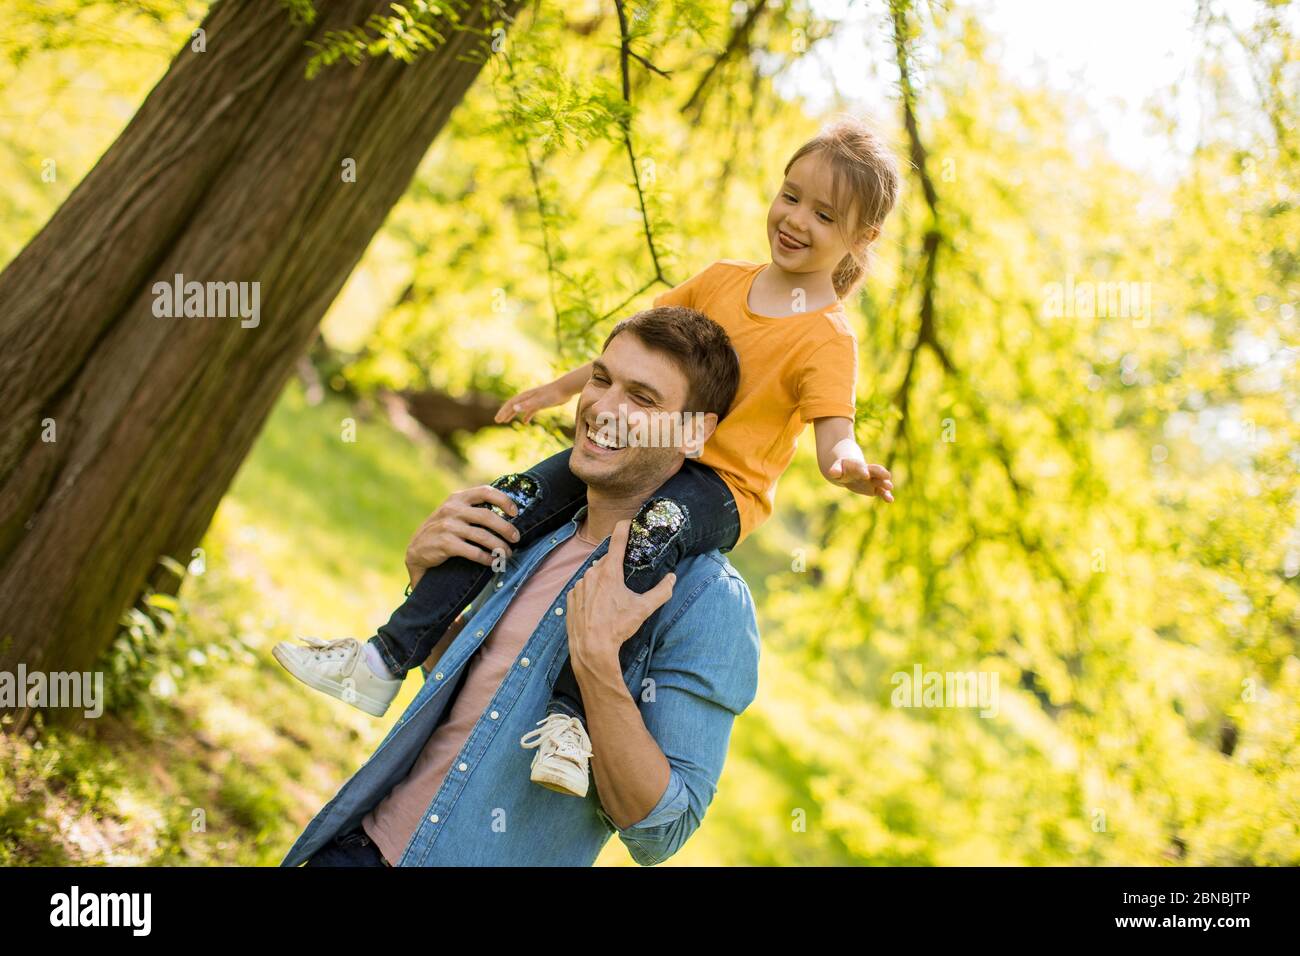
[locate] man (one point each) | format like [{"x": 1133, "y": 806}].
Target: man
[{"x": 662, "y": 675}]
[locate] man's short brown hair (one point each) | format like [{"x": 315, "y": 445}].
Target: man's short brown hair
[{"x": 699, "y": 347}]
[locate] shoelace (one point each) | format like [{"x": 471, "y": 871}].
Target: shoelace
[
  {"x": 559, "y": 735},
  {"x": 327, "y": 649}
]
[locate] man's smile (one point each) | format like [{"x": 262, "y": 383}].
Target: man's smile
[{"x": 594, "y": 443}]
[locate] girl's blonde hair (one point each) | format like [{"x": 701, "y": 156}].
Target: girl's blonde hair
[{"x": 866, "y": 186}]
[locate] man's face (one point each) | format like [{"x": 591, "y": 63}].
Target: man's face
[{"x": 646, "y": 382}]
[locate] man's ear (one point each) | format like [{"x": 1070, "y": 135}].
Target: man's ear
[{"x": 699, "y": 429}]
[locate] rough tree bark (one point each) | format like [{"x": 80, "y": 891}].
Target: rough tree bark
[{"x": 231, "y": 171}]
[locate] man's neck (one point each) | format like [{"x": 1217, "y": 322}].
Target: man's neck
[{"x": 606, "y": 509}]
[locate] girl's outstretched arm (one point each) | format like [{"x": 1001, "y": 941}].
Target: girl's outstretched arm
[
  {"x": 842, "y": 463},
  {"x": 527, "y": 403}
]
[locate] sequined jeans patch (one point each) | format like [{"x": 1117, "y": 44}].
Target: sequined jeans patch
[
  {"x": 655, "y": 525},
  {"x": 523, "y": 490}
]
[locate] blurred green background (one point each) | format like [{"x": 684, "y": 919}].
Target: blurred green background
[{"x": 1098, "y": 505}]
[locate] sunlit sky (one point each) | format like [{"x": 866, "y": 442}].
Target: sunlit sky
[{"x": 1116, "y": 54}]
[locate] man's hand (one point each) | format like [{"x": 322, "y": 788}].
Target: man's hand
[
  {"x": 602, "y": 612},
  {"x": 860, "y": 478},
  {"x": 460, "y": 529}
]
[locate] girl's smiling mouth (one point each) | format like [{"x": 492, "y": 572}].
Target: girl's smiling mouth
[{"x": 787, "y": 241}]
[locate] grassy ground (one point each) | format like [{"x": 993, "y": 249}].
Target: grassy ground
[{"x": 225, "y": 758}]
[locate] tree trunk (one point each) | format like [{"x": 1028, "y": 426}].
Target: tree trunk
[{"x": 231, "y": 171}]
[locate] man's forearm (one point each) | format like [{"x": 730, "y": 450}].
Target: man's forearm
[{"x": 631, "y": 771}]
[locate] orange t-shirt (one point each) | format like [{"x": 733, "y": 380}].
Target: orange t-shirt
[{"x": 792, "y": 369}]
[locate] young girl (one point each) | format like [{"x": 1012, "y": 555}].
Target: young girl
[{"x": 798, "y": 363}]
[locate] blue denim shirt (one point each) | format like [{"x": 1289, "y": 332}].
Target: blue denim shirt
[{"x": 692, "y": 667}]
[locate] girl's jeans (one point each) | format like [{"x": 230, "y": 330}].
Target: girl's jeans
[{"x": 693, "y": 512}]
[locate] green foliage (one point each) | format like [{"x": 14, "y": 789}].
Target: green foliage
[
  {"x": 404, "y": 34},
  {"x": 158, "y": 648},
  {"x": 303, "y": 12}
]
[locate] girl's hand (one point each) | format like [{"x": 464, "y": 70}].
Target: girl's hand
[
  {"x": 529, "y": 402},
  {"x": 862, "y": 479}
]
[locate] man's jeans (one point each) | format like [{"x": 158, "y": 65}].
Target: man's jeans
[
  {"x": 693, "y": 512},
  {"x": 349, "y": 849}
]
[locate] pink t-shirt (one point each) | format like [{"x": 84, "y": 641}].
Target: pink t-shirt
[{"x": 393, "y": 822}]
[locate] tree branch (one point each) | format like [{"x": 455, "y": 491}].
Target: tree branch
[
  {"x": 739, "y": 38},
  {"x": 535, "y": 176},
  {"x": 625, "y": 54}
]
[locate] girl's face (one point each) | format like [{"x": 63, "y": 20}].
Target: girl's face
[{"x": 803, "y": 228}]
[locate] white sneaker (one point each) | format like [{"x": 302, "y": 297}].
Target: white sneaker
[
  {"x": 563, "y": 749},
  {"x": 338, "y": 668}
]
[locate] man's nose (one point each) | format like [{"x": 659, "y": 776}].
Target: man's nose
[{"x": 608, "y": 403}]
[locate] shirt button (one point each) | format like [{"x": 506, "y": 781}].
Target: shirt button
[
  {"x": 463, "y": 767},
  {"x": 433, "y": 818},
  {"x": 552, "y": 541},
  {"x": 499, "y": 583},
  {"x": 523, "y": 662},
  {"x": 559, "y": 611},
  {"x": 478, "y": 633},
  {"x": 438, "y": 676},
  {"x": 494, "y": 715}
]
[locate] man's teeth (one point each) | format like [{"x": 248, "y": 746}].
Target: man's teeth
[{"x": 595, "y": 439}]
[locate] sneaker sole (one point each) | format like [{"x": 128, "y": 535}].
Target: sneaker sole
[
  {"x": 557, "y": 782},
  {"x": 331, "y": 687}
]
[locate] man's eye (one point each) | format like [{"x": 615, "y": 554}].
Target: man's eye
[
  {"x": 789, "y": 197},
  {"x": 641, "y": 399}
]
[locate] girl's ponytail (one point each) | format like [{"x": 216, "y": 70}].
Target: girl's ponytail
[{"x": 848, "y": 275}]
